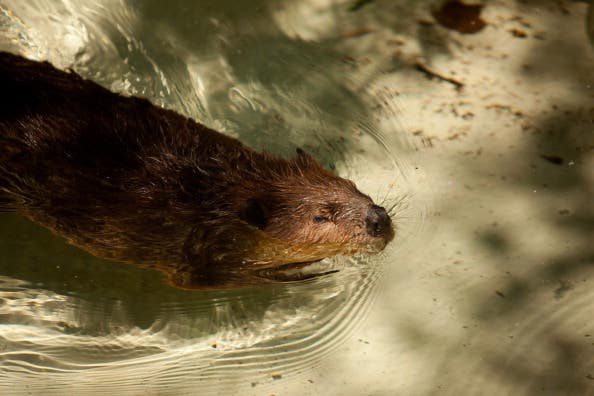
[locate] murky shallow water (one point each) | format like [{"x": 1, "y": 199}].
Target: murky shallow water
[
  {"x": 71, "y": 321},
  {"x": 487, "y": 288}
]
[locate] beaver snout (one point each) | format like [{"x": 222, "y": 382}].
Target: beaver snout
[{"x": 379, "y": 223}]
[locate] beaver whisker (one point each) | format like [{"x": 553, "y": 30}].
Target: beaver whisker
[
  {"x": 399, "y": 203},
  {"x": 392, "y": 209}
]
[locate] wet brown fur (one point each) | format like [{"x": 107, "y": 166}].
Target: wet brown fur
[{"x": 132, "y": 182}]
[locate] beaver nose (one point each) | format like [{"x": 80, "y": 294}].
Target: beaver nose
[{"x": 378, "y": 222}]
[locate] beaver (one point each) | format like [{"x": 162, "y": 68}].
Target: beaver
[{"x": 133, "y": 182}]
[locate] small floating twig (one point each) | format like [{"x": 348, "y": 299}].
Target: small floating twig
[{"x": 432, "y": 73}]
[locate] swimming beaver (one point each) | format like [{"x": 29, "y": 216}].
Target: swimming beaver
[{"x": 133, "y": 182}]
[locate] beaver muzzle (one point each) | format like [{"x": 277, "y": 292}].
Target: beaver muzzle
[{"x": 379, "y": 224}]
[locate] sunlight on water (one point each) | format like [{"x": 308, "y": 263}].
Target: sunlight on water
[{"x": 73, "y": 322}]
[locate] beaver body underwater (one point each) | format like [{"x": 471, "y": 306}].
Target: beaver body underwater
[{"x": 133, "y": 182}]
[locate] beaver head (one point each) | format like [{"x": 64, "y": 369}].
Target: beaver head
[{"x": 309, "y": 207}]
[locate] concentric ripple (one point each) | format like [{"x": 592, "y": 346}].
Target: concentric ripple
[{"x": 73, "y": 323}]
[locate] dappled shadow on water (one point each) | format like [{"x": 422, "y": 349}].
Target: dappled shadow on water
[
  {"x": 242, "y": 70},
  {"x": 236, "y": 68},
  {"x": 528, "y": 312},
  {"x": 531, "y": 312},
  {"x": 523, "y": 295}
]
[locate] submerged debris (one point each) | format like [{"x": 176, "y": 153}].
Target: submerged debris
[
  {"x": 433, "y": 74},
  {"x": 461, "y": 17},
  {"x": 553, "y": 159}
]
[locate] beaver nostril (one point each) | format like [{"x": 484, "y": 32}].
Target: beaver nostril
[{"x": 378, "y": 222}]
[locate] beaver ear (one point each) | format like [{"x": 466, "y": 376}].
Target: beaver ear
[
  {"x": 304, "y": 159},
  {"x": 302, "y": 154},
  {"x": 254, "y": 213}
]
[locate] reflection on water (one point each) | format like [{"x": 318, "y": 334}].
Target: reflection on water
[{"x": 71, "y": 321}]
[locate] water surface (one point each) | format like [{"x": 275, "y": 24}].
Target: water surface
[{"x": 74, "y": 323}]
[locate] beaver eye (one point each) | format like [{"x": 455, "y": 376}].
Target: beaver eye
[
  {"x": 254, "y": 213},
  {"x": 320, "y": 219}
]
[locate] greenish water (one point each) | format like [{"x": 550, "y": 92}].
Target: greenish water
[{"x": 484, "y": 140}]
